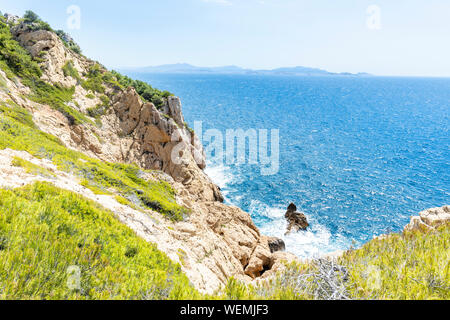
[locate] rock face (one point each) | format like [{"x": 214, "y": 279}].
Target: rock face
[
  {"x": 11, "y": 19},
  {"x": 429, "y": 219},
  {"x": 276, "y": 244},
  {"x": 156, "y": 141},
  {"x": 217, "y": 241},
  {"x": 46, "y": 44},
  {"x": 296, "y": 220}
]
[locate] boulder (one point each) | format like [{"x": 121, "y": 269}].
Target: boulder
[
  {"x": 260, "y": 260},
  {"x": 276, "y": 244},
  {"x": 296, "y": 220}
]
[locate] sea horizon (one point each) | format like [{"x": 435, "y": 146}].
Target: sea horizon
[{"x": 206, "y": 96}]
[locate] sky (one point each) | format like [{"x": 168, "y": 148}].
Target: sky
[{"x": 382, "y": 37}]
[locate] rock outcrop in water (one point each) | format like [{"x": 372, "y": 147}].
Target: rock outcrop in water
[
  {"x": 296, "y": 220},
  {"x": 216, "y": 241}
]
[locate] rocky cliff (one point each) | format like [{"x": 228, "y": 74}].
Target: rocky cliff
[{"x": 214, "y": 242}]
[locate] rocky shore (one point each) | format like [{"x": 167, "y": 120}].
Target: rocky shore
[{"x": 215, "y": 241}]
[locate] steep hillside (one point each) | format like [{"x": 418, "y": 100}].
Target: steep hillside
[{"x": 114, "y": 138}]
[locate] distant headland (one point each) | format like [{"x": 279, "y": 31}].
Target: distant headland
[{"x": 185, "y": 68}]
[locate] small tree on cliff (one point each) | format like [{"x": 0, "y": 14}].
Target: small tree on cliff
[{"x": 30, "y": 16}]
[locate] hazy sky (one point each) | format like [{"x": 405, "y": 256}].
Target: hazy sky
[{"x": 396, "y": 37}]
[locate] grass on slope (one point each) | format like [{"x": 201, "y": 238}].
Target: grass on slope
[
  {"x": 410, "y": 266},
  {"x": 49, "y": 236},
  {"x": 415, "y": 265},
  {"x": 31, "y": 167},
  {"x": 18, "y": 132}
]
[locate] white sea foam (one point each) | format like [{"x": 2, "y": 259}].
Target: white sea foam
[
  {"x": 314, "y": 242},
  {"x": 219, "y": 174}
]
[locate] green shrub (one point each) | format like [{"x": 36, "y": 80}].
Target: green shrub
[
  {"x": 35, "y": 22},
  {"x": 30, "y": 17},
  {"x": 31, "y": 167},
  {"x": 56, "y": 97},
  {"x": 16, "y": 60},
  {"x": 100, "y": 109},
  {"x": 146, "y": 91},
  {"x": 68, "y": 41},
  {"x": 94, "y": 80},
  {"x": 45, "y": 232},
  {"x": 12, "y": 110},
  {"x": 413, "y": 265},
  {"x": 70, "y": 71}
]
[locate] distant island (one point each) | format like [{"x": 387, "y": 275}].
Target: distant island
[{"x": 185, "y": 68}]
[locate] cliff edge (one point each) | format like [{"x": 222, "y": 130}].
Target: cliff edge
[{"x": 90, "y": 110}]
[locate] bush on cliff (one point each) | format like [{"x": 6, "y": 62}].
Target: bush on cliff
[
  {"x": 30, "y": 16},
  {"x": 15, "y": 60},
  {"x": 55, "y": 244},
  {"x": 146, "y": 91}
]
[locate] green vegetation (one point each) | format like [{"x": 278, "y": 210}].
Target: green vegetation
[
  {"x": 68, "y": 41},
  {"x": 56, "y": 97},
  {"x": 30, "y": 16},
  {"x": 98, "y": 76},
  {"x": 95, "y": 79},
  {"x": 17, "y": 132},
  {"x": 409, "y": 266},
  {"x": 70, "y": 71},
  {"x": 11, "y": 110},
  {"x": 100, "y": 109},
  {"x": 415, "y": 265},
  {"x": 49, "y": 236},
  {"x": 36, "y": 23},
  {"x": 16, "y": 61},
  {"x": 146, "y": 91},
  {"x": 31, "y": 167}
]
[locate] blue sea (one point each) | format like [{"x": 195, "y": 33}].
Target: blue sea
[{"x": 358, "y": 155}]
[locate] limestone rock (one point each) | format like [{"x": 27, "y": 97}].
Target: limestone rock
[
  {"x": 175, "y": 110},
  {"x": 49, "y": 47},
  {"x": 159, "y": 143},
  {"x": 429, "y": 219},
  {"x": 260, "y": 260},
  {"x": 296, "y": 220},
  {"x": 11, "y": 19},
  {"x": 279, "y": 262},
  {"x": 276, "y": 244}
]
